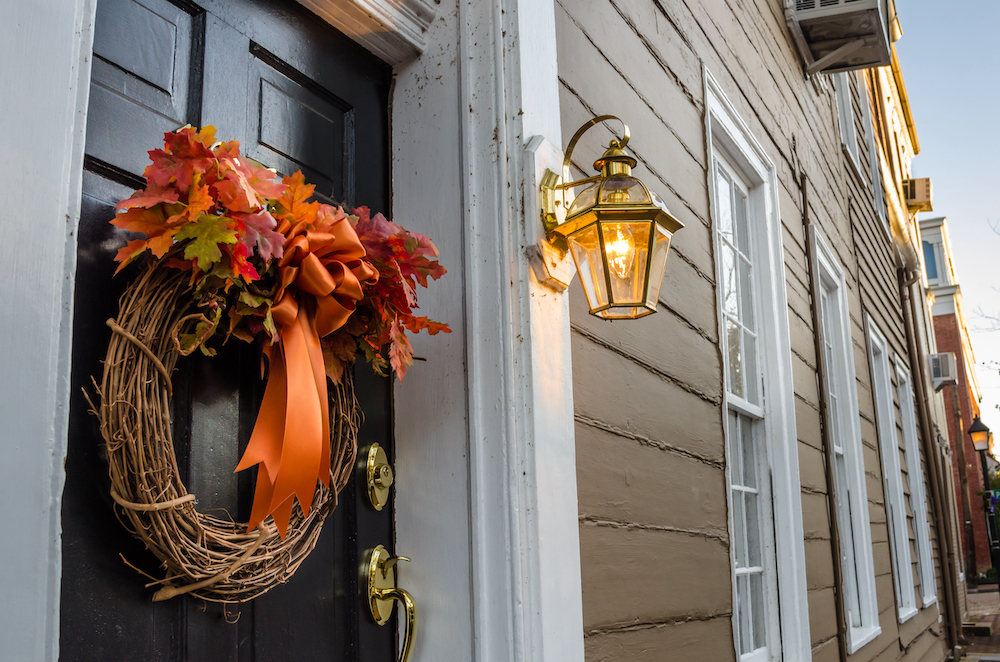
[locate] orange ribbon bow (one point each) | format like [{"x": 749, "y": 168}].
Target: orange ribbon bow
[{"x": 321, "y": 275}]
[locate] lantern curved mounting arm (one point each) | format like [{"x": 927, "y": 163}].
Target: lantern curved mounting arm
[
  {"x": 576, "y": 138},
  {"x": 554, "y": 212}
]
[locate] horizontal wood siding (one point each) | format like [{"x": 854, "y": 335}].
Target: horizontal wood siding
[{"x": 648, "y": 394}]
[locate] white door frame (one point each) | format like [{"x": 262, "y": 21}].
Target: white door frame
[{"x": 486, "y": 503}]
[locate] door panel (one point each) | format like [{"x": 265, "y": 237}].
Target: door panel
[
  {"x": 289, "y": 87},
  {"x": 142, "y": 77}
]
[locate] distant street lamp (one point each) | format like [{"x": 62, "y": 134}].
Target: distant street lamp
[{"x": 981, "y": 438}]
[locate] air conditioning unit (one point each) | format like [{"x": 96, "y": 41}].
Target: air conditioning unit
[
  {"x": 943, "y": 370},
  {"x": 918, "y": 194},
  {"x": 840, "y": 35}
]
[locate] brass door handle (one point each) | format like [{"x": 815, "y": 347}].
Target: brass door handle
[{"x": 382, "y": 592}]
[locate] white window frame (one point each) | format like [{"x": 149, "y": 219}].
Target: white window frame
[
  {"x": 845, "y": 115},
  {"x": 892, "y": 472},
  {"x": 915, "y": 473},
  {"x": 727, "y": 132},
  {"x": 840, "y": 382}
]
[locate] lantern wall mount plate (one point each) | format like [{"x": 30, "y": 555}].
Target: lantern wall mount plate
[{"x": 617, "y": 230}]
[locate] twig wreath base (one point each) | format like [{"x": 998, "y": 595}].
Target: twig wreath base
[{"x": 212, "y": 558}]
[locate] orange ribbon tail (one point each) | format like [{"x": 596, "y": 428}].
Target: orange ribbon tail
[{"x": 321, "y": 276}]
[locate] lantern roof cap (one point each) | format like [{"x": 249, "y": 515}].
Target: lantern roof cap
[{"x": 615, "y": 153}]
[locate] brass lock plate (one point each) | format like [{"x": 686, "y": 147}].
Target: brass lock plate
[
  {"x": 378, "y": 476},
  {"x": 380, "y": 578}
]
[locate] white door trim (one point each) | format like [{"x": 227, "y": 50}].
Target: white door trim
[{"x": 45, "y": 48}]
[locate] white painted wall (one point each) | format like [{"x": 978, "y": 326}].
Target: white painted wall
[
  {"x": 44, "y": 81},
  {"x": 486, "y": 461}
]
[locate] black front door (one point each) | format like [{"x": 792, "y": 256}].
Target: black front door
[{"x": 297, "y": 95}]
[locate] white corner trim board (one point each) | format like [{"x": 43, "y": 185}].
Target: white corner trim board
[{"x": 394, "y": 30}]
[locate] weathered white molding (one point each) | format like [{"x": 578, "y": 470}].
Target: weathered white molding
[
  {"x": 45, "y": 48},
  {"x": 394, "y": 30},
  {"x": 525, "y": 547}
]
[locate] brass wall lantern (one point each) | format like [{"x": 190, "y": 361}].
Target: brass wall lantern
[{"x": 617, "y": 230}]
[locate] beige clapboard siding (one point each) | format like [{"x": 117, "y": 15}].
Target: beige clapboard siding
[
  {"x": 678, "y": 494},
  {"x": 654, "y": 406},
  {"x": 684, "y": 640},
  {"x": 615, "y": 556}
]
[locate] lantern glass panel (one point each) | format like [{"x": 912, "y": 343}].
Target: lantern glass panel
[
  {"x": 626, "y": 248},
  {"x": 584, "y": 201},
  {"x": 586, "y": 248},
  {"x": 661, "y": 247},
  {"x": 619, "y": 189}
]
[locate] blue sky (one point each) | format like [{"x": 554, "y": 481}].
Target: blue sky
[{"x": 951, "y": 65}]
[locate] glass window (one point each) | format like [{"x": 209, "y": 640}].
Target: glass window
[
  {"x": 930, "y": 262},
  {"x": 892, "y": 474},
  {"x": 754, "y": 573},
  {"x": 843, "y": 424},
  {"x": 915, "y": 480}
]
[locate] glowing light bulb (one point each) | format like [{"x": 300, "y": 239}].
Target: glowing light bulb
[{"x": 621, "y": 253}]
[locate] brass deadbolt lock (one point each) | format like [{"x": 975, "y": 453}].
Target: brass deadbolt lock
[{"x": 378, "y": 476}]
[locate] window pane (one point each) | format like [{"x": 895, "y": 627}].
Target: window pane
[
  {"x": 729, "y": 292},
  {"x": 743, "y": 605},
  {"x": 757, "y": 605},
  {"x": 736, "y": 470},
  {"x": 930, "y": 262},
  {"x": 739, "y": 532},
  {"x": 744, "y": 275},
  {"x": 749, "y": 453},
  {"x": 723, "y": 197},
  {"x": 755, "y": 554},
  {"x": 740, "y": 216},
  {"x": 750, "y": 367},
  {"x": 735, "y": 359}
]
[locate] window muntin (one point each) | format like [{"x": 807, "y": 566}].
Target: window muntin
[
  {"x": 843, "y": 421},
  {"x": 892, "y": 474},
  {"x": 915, "y": 479},
  {"x": 754, "y": 571}
]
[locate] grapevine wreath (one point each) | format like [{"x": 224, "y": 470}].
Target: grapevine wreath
[{"x": 238, "y": 253}]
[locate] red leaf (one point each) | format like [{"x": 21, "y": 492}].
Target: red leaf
[
  {"x": 400, "y": 351},
  {"x": 260, "y": 233},
  {"x": 263, "y": 180},
  {"x": 238, "y": 256}
]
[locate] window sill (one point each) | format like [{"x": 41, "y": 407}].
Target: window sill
[
  {"x": 858, "y": 637},
  {"x": 907, "y": 614},
  {"x": 927, "y": 602}
]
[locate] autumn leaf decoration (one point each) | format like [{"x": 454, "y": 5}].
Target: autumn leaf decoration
[
  {"x": 321, "y": 286},
  {"x": 223, "y": 212}
]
